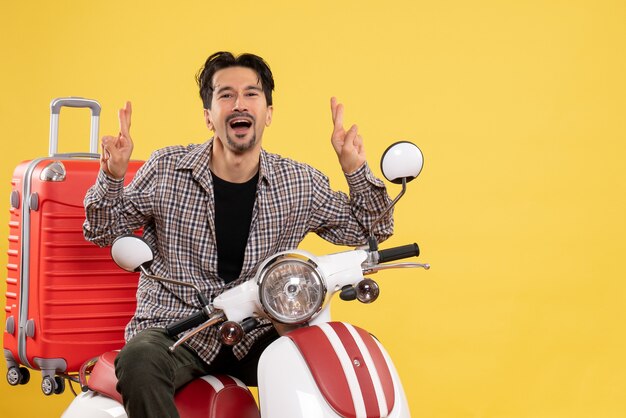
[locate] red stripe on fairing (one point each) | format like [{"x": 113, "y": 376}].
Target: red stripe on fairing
[
  {"x": 198, "y": 399},
  {"x": 382, "y": 368},
  {"x": 326, "y": 368},
  {"x": 362, "y": 372}
]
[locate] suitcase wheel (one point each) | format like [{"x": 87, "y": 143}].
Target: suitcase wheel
[
  {"x": 18, "y": 376},
  {"x": 52, "y": 384}
]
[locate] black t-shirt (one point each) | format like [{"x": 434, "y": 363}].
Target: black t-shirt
[{"x": 234, "y": 203}]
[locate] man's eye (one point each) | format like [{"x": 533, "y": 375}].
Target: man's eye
[
  {"x": 252, "y": 93},
  {"x": 225, "y": 96}
]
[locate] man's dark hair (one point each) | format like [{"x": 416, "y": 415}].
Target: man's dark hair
[{"x": 221, "y": 60}]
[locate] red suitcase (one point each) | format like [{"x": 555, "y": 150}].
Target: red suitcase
[{"x": 66, "y": 301}]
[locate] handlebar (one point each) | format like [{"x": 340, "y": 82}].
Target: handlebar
[
  {"x": 204, "y": 318},
  {"x": 398, "y": 253},
  {"x": 187, "y": 323}
]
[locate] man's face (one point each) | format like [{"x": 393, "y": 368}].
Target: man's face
[{"x": 239, "y": 112}]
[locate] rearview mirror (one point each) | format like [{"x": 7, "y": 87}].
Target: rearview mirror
[
  {"x": 402, "y": 160},
  {"x": 131, "y": 252},
  {"x": 400, "y": 163}
]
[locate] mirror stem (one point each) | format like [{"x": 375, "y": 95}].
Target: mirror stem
[
  {"x": 373, "y": 243},
  {"x": 203, "y": 300}
]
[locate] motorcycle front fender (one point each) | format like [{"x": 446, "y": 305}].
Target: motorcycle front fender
[{"x": 320, "y": 373}]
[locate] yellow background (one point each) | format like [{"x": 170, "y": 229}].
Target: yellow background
[{"x": 518, "y": 106}]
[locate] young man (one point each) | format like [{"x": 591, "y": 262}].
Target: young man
[{"x": 212, "y": 213}]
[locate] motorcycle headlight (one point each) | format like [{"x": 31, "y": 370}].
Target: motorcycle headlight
[{"x": 291, "y": 289}]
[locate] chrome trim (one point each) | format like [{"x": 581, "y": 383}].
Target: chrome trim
[
  {"x": 370, "y": 270},
  {"x": 305, "y": 259},
  {"x": 217, "y": 318}
]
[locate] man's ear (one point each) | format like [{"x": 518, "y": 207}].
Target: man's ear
[
  {"x": 208, "y": 119},
  {"x": 268, "y": 116}
]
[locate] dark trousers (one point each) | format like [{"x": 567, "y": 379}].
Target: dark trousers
[{"x": 149, "y": 373}]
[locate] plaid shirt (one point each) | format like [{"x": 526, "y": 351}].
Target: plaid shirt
[{"x": 171, "y": 197}]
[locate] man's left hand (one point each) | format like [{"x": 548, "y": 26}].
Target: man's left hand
[{"x": 347, "y": 144}]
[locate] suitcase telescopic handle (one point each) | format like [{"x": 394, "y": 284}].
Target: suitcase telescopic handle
[{"x": 55, "y": 109}]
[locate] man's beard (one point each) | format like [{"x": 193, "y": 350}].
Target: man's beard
[
  {"x": 238, "y": 147},
  {"x": 241, "y": 147}
]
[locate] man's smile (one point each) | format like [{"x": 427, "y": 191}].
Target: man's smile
[{"x": 240, "y": 123}]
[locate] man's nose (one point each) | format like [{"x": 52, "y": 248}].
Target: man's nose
[{"x": 240, "y": 103}]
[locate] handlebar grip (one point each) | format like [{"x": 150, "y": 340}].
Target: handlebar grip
[
  {"x": 397, "y": 253},
  {"x": 185, "y": 324}
]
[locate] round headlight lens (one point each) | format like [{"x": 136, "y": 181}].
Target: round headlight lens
[{"x": 291, "y": 290}]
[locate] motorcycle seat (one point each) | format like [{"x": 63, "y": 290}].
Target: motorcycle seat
[{"x": 212, "y": 396}]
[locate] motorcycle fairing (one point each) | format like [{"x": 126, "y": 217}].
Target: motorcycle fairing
[{"x": 348, "y": 367}]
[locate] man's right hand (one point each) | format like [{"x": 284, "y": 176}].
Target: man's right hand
[{"x": 116, "y": 150}]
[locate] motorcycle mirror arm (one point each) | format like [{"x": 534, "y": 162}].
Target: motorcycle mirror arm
[
  {"x": 372, "y": 241},
  {"x": 201, "y": 297}
]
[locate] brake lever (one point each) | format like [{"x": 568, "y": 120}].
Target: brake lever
[
  {"x": 377, "y": 268},
  {"x": 215, "y": 319}
]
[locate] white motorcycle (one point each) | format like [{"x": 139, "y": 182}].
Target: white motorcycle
[{"x": 326, "y": 369}]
